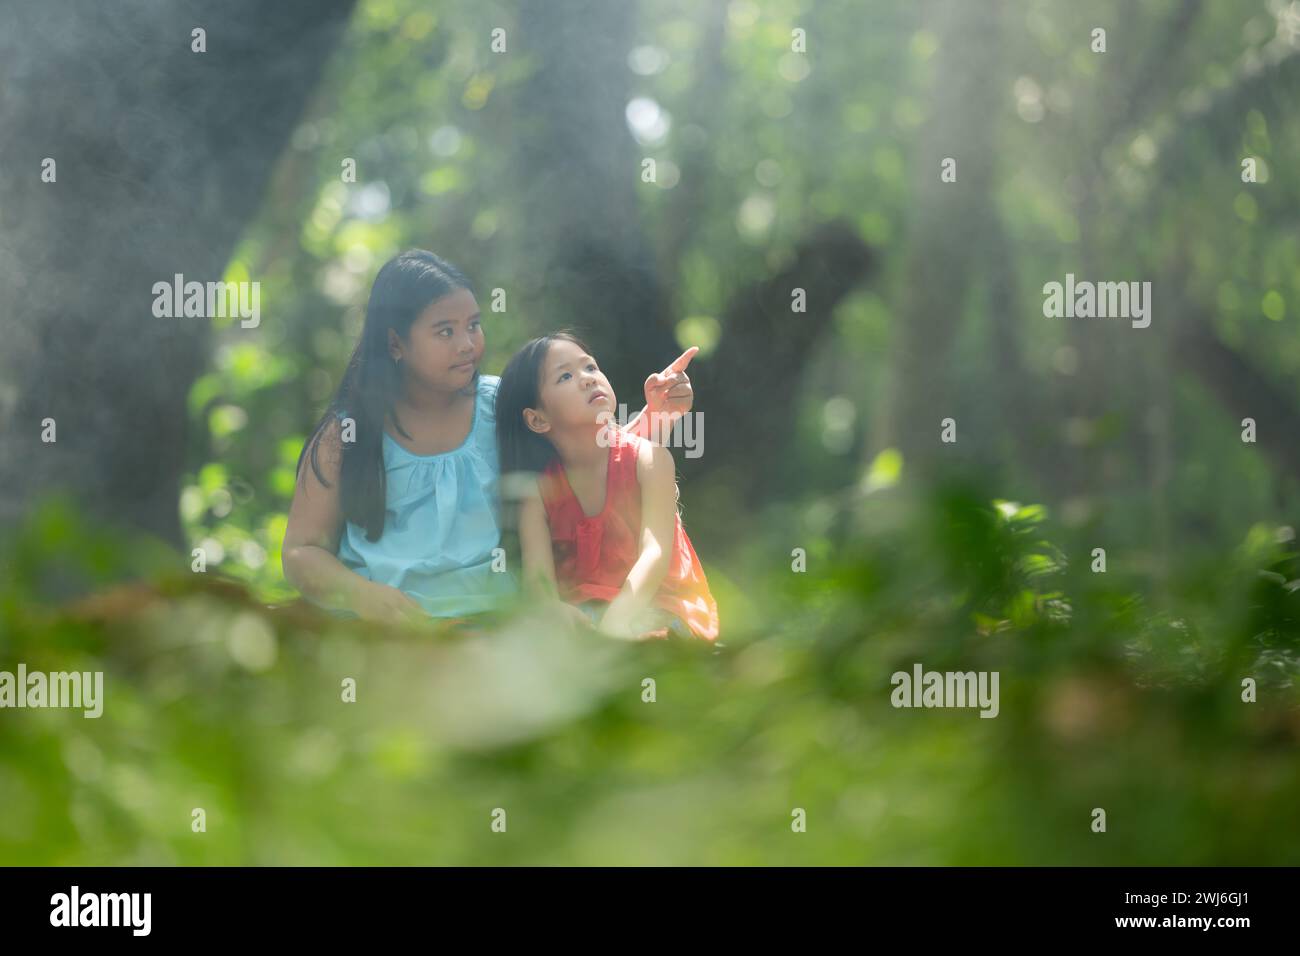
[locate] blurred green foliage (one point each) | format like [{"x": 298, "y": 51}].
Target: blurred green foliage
[{"x": 216, "y": 702}]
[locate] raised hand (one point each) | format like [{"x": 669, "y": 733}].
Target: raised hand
[{"x": 669, "y": 393}]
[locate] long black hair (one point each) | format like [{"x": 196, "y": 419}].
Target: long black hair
[
  {"x": 521, "y": 449},
  {"x": 404, "y": 287}
]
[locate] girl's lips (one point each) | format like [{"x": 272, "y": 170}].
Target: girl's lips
[
  {"x": 463, "y": 365},
  {"x": 597, "y": 396}
]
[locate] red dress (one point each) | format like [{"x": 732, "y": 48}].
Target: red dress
[{"x": 594, "y": 555}]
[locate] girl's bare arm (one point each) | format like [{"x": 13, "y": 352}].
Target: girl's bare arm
[
  {"x": 535, "y": 547},
  {"x": 657, "y": 475},
  {"x": 309, "y": 552},
  {"x": 539, "y": 563}
]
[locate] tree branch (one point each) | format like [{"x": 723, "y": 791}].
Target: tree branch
[
  {"x": 765, "y": 347},
  {"x": 1155, "y": 73},
  {"x": 1243, "y": 390}
]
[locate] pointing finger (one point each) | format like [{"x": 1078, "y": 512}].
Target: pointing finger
[{"x": 683, "y": 360}]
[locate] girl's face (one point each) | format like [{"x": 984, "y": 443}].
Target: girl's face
[
  {"x": 444, "y": 344},
  {"x": 573, "y": 392}
]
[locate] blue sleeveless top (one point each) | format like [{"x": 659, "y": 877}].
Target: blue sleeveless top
[{"x": 441, "y": 522}]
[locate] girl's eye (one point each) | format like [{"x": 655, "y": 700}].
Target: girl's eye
[
  {"x": 591, "y": 367},
  {"x": 445, "y": 332},
  {"x": 563, "y": 376},
  {"x": 475, "y": 326}
]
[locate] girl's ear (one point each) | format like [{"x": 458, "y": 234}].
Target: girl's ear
[
  {"x": 394, "y": 346},
  {"x": 536, "y": 421}
]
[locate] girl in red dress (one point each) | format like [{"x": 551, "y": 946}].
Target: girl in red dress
[{"x": 598, "y": 521}]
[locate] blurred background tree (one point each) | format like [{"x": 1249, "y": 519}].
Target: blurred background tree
[{"x": 161, "y": 150}]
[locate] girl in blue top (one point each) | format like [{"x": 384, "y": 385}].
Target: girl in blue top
[{"x": 394, "y": 515}]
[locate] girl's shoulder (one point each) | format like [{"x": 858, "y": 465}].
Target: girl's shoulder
[
  {"x": 629, "y": 447},
  {"x": 487, "y": 396},
  {"x": 629, "y": 457}
]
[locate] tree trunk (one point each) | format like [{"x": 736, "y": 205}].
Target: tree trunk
[
  {"x": 588, "y": 263},
  {"x": 161, "y": 155},
  {"x": 946, "y": 243}
]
